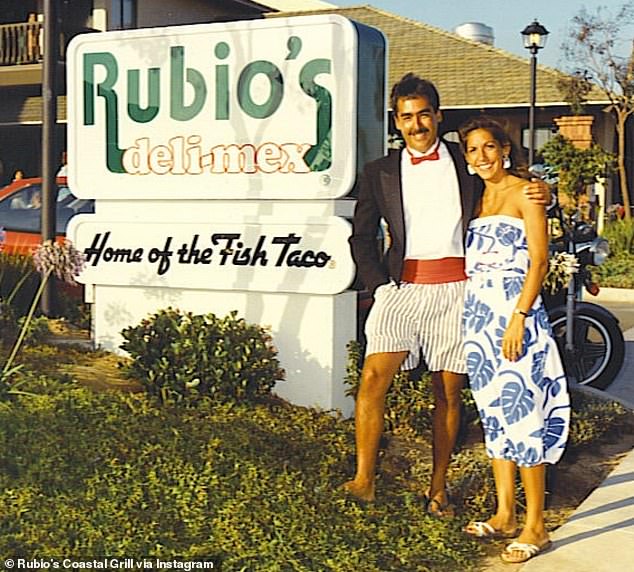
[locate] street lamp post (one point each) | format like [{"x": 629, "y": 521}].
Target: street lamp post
[{"x": 534, "y": 36}]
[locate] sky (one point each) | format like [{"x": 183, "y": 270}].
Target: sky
[{"x": 507, "y": 18}]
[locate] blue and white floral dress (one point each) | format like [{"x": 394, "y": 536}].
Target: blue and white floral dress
[{"x": 523, "y": 405}]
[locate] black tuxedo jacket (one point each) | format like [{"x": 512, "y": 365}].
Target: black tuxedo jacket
[{"x": 380, "y": 196}]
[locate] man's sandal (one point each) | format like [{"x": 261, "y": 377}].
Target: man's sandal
[
  {"x": 479, "y": 529},
  {"x": 438, "y": 509},
  {"x": 524, "y": 552}
]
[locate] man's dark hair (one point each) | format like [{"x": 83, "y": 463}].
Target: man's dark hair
[{"x": 410, "y": 86}]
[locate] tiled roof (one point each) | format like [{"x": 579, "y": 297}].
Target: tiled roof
[{"x": 467, "y": 74}]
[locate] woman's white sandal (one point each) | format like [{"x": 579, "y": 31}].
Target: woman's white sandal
[
  {"x": 480, "y": 529},
  {"x": 527, "y": 551}
]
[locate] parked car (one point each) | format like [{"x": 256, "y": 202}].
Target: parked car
[{"x": 21, "y": 212}]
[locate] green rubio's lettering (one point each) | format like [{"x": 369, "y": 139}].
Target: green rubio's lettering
[{"x": 186, "y": 154}]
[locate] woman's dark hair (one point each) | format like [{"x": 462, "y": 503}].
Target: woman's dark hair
[
  {"x": 409, "y": 86},
  {"x": 500, "y": 134}
]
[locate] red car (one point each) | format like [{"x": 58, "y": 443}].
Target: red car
[{"x": 21, "y": 212}]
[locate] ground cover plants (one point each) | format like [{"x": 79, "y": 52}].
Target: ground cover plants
[
  {"x": 250, "y": 484},
  {"x": 618, "y": 269},
  {"x": 197, "y": 460}
]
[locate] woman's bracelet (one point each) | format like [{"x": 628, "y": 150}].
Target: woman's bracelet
[{"x": 521, "y": 312}]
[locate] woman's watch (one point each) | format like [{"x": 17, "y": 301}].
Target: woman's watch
[{"x": 521, "y": 312}]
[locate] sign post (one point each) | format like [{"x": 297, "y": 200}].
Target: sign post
[{"x": 222, "y": 158}]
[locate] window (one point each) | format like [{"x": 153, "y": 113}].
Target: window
[
  {"x": 27, "y": 198},
  {"x": 21, "y": 210},
  {"x": 122, "y": 14},
  {"x": 542, "y": 135}
]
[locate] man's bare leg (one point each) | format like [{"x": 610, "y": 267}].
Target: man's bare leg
[
  {"x": 376, "y": 378},
  {"x": 446, "y": 386}
]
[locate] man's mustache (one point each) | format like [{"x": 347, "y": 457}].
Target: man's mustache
[{"x": 419, "y": 131}]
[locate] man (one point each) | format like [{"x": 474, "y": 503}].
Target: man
[{"x": 426, "y": 197}]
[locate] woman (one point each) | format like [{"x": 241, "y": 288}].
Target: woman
[{"x": 513, "y": 364}]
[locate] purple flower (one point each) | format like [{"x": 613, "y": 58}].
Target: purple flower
[
  {"x": 3, "y": 236},
  {"x": 61, "y": 259}
]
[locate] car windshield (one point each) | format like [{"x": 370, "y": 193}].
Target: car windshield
[{"x": 21, "y": 211}]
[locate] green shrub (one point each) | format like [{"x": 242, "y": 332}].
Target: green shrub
[
  {"x": 71, "y": 307},
  {"x": 182, "y": 358},
  {"x": 620, "y": 234},
  {"x": 8, "y": 322},
  {"x": 575, "y": 168},
  {"x": 36, "y": 329},
  {"x": 18, "y": 284},
  {"x": 616, "y": 272},
  {"x": 408, "y": 404}
]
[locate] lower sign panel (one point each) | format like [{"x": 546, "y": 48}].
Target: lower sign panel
[{"x": 266, "y": 256}]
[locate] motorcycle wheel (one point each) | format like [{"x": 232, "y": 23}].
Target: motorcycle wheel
[{"x": 599, "y": 347}]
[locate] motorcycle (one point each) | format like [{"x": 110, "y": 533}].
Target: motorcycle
[{"x": 588, "y": 336}]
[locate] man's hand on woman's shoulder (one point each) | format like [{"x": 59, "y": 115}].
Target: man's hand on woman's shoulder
[{"x": 538, "y": 192}]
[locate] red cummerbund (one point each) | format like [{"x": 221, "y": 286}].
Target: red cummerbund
[{"x": 438, "y": 271}]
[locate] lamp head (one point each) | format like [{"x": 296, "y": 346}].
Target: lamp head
[{"x": 534, "y": 36}]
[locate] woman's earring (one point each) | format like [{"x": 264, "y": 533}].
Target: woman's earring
[
  {"x": 470, "y": 169},
  {"x": 507, "y": 162}
]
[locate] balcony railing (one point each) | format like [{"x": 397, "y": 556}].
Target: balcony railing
[{"x": 23, "y": 43}]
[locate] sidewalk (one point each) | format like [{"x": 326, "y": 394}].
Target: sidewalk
[{"x": 599, "y": 536}]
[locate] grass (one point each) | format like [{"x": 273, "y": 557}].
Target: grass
[{"x": 86, "y": 474}]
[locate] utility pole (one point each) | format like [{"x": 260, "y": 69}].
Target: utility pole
[{"x": 49, "y": 147}]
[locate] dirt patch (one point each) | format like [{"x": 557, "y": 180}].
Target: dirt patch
[
  {"x": 62, "y": 331},
  {"x": 100, "y": 370},
  {"x": 103, "y": 373}
]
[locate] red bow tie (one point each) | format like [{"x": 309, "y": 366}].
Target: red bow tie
[{"x": 433, "y": 156}]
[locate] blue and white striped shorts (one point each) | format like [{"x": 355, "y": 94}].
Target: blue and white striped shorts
[{"x": 419, "y": 318}]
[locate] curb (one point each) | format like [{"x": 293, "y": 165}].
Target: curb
[
  {"x": 611, "y": 295},
  {"x": 603, "y": 394}
]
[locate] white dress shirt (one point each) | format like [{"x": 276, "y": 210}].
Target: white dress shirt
[{"x": 432, "y": 207}]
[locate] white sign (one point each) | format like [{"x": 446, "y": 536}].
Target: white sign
[
  {"x": 251, "y": 109},
  {"x": 267, "y": 256}
]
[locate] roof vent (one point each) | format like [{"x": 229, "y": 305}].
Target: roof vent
[{"x": 476, "y": 31}]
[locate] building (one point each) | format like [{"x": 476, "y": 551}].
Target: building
[
  {"x": 472, "y": 77},
  {"x": 475, "y": 77},
  {"x": 21, "y": 43}
]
